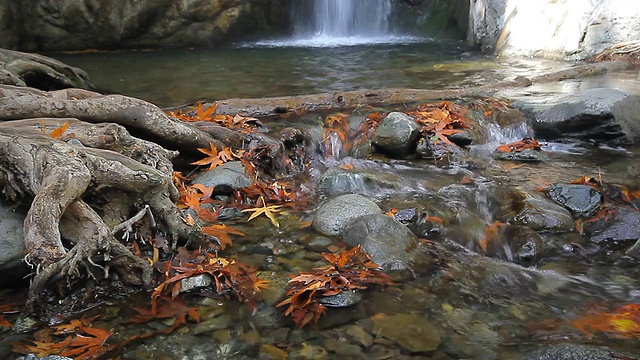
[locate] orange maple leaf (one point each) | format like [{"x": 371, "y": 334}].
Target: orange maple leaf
[
  {"x": 221, "y": 232},
  {"x": 212, "y": 159}
]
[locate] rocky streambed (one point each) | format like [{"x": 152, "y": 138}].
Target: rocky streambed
[{"x": 509, "y": 225}]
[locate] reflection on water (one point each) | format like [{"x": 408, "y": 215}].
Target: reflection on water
[{"x": 174, "y": 77}]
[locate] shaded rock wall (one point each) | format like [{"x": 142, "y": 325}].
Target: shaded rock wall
[
  {"x": 48, "y": 25},
  {"x": 575, "y": 29},
  {"x": 437, "y": 18}
]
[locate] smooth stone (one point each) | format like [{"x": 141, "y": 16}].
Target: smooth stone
[
  {"x": 333, "y": 215},
  {"x": 413, "y": 332},
  {"x": 397, "y": 134},
  {"x": 387, "y": 241},
  {"x": 581, "y": 200},
  {"x": 538, "y": 214},
  {"x": 217, "y": 323},
  {"x": 230, "y": 174}
]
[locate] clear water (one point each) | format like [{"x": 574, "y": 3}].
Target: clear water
[
  {"x": 485, "y": 309},
  {"x": 174, "y": 77}
]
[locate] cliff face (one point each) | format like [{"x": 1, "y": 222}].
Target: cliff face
[
  {"x": 573, "y": 29},
  {"x": 47, "y": 25}
]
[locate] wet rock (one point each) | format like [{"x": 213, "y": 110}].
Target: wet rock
[
  {"x": 397, "y": 134},
  {"x": 526, "y": 155},
  {"x": 424, "y": 226},
  {"x": 463, "y": 138},
  {"x": 578, "y": 352},
  {"x": 337, "y": 181},
  {"x": 385, "y": 239},
  {"x": 268, "y": 351},
  {"x": 230, "y": 213},
  {"x": 11, "y": 243},
  {"x": 622, "y": 227},
  {"x": 581, "y": 200},
  {"x": 310, "y": 352},
  {"x": 517, "y": 244},
  {"x": 319, "y": 244},
  {"x": 538, "y": 214},
  {"x": 229, "y": 175},
  {"x": 428, "y": 148},
  {"x": 601, "y": 114},
  {"x": 195, "y": 282},
  {"x": 359, "y": 335},
  {"x": 344, "y": 349},
  {"x": 342, "y": 299},
  {"x": 333, "y": 215},
  {"x": 217, "y": 323},
  {"x": 413, "y": 332}
]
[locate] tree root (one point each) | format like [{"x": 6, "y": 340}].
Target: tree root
[{"x": 63, "y": 180}]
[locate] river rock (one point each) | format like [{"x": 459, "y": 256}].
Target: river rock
[
  {"x": 428, "y": 148},
  {"x": 333, "y": 215},
  {"x": 581, "y": 200},
  {"x": 600, "y": 114},
  {"x": 80, "y": 24},
  {"x": 397, "y": 134},
  {"x": 385, "y": 239},
  {"x": 12, "y": 247},
  {"x": 337, "y": 181},
  {"x": 342, "y": 299},
  {"x": 526, "y": 155},
  {"x": 623, "y": 226},
  {"x": 563, "y": 28},
  {"x": 414, "y": 333},
  {"x": 517, "y": 244},
  {"x": 40, "y": 72},
  {"x": 229, "y": 175},
  {"x": 578, "y": 352},
  {"x": 538, "y": 214}
]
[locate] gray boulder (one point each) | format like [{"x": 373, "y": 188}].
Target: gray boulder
[
  {"x": 334, "y": 215},
  {"x": 606, "y": 115},
  {"x": 385, "y": 239},
  {"x": 397, "y": 135},
  {"x": 230, "y": 175},
  {"x": 337, "y": 181}
]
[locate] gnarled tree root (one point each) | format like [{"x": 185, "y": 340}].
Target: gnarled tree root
[{"x": 63, "y": 179}]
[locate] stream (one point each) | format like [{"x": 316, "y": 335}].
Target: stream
[{"x": 490, "y": 308}]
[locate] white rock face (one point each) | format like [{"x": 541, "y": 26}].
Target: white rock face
[{"x": 552, "y": 28}]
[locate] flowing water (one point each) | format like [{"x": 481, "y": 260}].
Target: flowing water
[{"x": 482, "y": 308}]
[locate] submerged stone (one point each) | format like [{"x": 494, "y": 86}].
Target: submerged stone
[
  {"x": 538, "y": 214},
  {"x": 578, "y": 352},
  {"x": 526, "y": 155},
  {"x": 413, "y": 332},
  {"x": 337, "y": 181}
]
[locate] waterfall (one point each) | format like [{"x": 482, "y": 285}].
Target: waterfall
[{"x": 342, "y": 18}]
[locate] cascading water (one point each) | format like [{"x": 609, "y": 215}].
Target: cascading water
[
  {"x": 342, "y": 18},
  {"x": 330, "y": 23}
]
